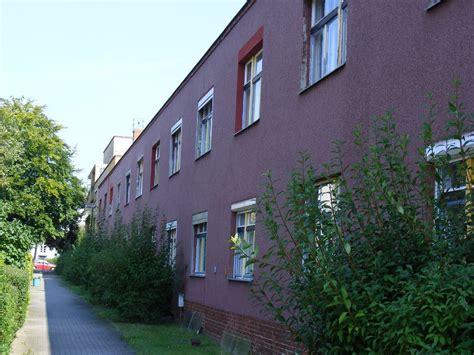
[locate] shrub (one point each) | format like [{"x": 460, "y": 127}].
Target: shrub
[
  {"x": 374, "y": 262},
  {"x": 126, "y": 268},
  {"x": 14, "y": 296}
]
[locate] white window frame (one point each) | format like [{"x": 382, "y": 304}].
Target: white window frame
[
  {"x": 319, "y": 65},
  {"x": 175, "y": 156},
  {"x": 251, "y": 78},
  {"x": 140, "y": 173},
  {"x": 246, "y": 207},
  {"x": 204, "y": 140},
  {"x": 172, "y": 235},
  {"x": 200, "y": 243}
]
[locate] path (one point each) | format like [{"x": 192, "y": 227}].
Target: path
[{"x": 59, "y": 322}]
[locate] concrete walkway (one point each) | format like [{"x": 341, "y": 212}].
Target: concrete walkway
[{"x": 59, "y": 322}]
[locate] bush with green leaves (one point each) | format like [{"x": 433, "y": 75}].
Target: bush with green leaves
[
  {"x": 373, "y": 261},
  {"x": 14, "y": 297},
  {"x": 15, "y": 238},
  {"x": 127, "y": 269}
]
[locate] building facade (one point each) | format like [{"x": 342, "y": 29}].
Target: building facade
[
  {"x": 114, "y": 150},
  {"x": 285, "y": 76}
]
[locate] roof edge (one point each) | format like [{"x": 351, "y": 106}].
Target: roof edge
[{"x": 243, "y": 10}]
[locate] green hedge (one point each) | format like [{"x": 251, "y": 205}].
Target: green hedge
[
  {"x": 125, "y": 269},
  {"x": 14, "y": 296}
]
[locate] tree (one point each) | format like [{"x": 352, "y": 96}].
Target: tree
[{"x": 37, "y": 179}]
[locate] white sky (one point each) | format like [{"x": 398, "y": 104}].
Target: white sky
[{"x": 97, "y": 65}]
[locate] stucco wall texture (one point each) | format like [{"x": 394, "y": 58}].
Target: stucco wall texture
[{"x": 396, "y": 53}]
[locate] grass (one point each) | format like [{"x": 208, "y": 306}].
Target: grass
[
  {"x": 169, "y": 339},
  {"x": 164, "y": 339}
]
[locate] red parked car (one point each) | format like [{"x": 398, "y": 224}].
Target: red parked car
[{"x": 44, "y": 265}]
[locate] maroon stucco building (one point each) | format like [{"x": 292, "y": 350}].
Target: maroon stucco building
[{"x": 284, "y": 76}]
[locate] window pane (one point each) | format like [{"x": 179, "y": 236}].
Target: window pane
[
  {"x": 253, "y": 217},
  {"x": 332, "y": 38},
  {"x": 454, "y": 176},
  {"x": 256, "y": 100},
  {"x": 246, "y": 108},
  {"x": 317, "y": 55},
  {"x": 248, "y": 72},
  {"x": 322, "y": 8},
  {"x": 259, "y": 64},
  {"x": 241, "y": 220},
  {"x": 330, "y": 5}
]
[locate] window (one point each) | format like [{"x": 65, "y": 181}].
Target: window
[
  {"x": 328, "y": 37},
  {"x": 171, "y": 232},
  {"x": 118, "y": 196},
  {"x": 245, "y": 228},
  {"x": 105, "y": 203},
  {"x": 111, "y": 200},
  {"x": 127, "y": 188},
  {"x": 204, "y": 124},
  {"x": 200, "y": 237},
  {"x": 175, "y": 156},
  {"x": 249, "y": 82},
  {"x": 453, "y": 187},
  {"x": 252, "y": 90},
  {"x": 155, "y": 164},
  {"x": 139, "y": 177},
  {"x": 327, "y": 194},
  {"x": 456, "y": 184}
]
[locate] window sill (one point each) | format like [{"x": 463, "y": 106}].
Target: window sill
[
  {"x": 198, "y": 276},
  {"x": 243, "y": 280},
  {"x": 153, "y": 187},
  {"x": 202, "y": 155},
  {"x": 254, "y": 123},
  {"x": 137, "y": 197},
  {"x": 126, "y": 204},
  {"x": 310, "y": 86},
  {"x": 173, "y": 174},
  {"x": 433, "y": 5}
]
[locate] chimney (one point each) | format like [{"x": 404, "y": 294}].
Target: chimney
[
  {"x": 138, "y": 125},
  {"x": 136, "y": 133}
]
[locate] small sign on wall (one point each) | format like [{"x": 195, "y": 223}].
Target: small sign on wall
[{"x": 181, "y": 300}]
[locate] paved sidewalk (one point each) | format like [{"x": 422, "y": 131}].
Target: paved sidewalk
[{"x": 59, "y": 322}]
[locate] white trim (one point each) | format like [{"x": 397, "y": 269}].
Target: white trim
[
  {"x": 244, "y": 205},
  {"x": 206, "y": 98},
  {"x": 129, "y": 172},
  {"x": 140, "y": 157},
  {"x": 171, "y": 225},
  {"x": 199, "y": 218},
  {"x": 451, "y": 147},
  {"x": 176, "y": 126}
]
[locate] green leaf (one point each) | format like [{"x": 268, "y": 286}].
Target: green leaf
[
  {"x": 400, "y": 209},
  {"x": 347, "y": 247},
  {"x": 342, "y": 317}
]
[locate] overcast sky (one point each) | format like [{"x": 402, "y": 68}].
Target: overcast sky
[{"x": 98, "y": 65}]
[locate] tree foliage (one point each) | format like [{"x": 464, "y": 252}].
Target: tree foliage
[
  {"x": 381, "y": 263},
  {"x": 37, "y": 181}
]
